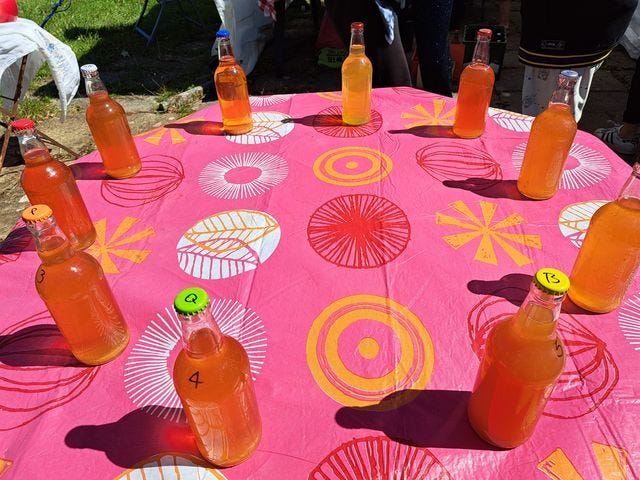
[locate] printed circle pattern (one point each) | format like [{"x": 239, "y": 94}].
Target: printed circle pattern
[
  {"x": 629, "y": 320},
  {"x": 267, "y": 127},
  {"x": 359, "y": 231},
  {"x": 329, "y": 122},
  {"x": 364, "y": 376},
  {"x": 575, "y": 219},
  {"x": 243, "y": 175},
  {"x": 352, "y": 166}
]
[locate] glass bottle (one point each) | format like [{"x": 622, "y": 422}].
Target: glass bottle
[
  {"x": 610, "y": 254},
  {"x": 357, "y": 74},
  {"x": 46, "y": 180},
  {"x": 213, "y": 379},
  {"x": 232, "y": 89},
  {"x": 549, "y": 142},
  {"x": 74, "y": 289},
  {"x": 109, "y": 127},
  {"x": 474, "y": 92},
  {"x": 523, "y": 358}
]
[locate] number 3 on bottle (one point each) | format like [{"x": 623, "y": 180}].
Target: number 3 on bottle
[{"x": 195, "y": 379}]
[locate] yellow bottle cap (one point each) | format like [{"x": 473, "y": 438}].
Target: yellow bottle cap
[
  {"x": 552, "y": 281},
  {"x": 36, "y": 213}
]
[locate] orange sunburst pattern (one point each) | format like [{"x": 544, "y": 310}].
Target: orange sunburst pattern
[
  {"x": 104, "y": 249},
  {"x": 4, "y": 465},
  {"x": 612, "y": 462},
  {"x": 489, "y": 232},
  {"x": 156, "y": 135},
  {"x": 439, "y": 115}
]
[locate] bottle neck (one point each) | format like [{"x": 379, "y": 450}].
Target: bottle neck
[
  {"x": 538, "y": 315},
  {"x": 631, "y": 188},
  {"x": 563, "y": 94},
  {"x": 94, "y": 86},
  {"x": 28, "y": 141},
  {"x": 225, "y": 52},
  {"x": 52, "y": 244},
  {"x": 356, "y": 46},
  {"x": 481, "y": 52},
  {"x": 201, "y": 336}
]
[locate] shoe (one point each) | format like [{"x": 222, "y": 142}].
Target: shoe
[{"x": 611, "y": 136}]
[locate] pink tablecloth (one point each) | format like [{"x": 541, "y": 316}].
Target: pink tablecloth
[{"x": 361, "y": 268}]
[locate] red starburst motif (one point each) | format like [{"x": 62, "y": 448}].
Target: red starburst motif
[
  {"x": 590, "y": 374},
  {"x": 16, "y": 242},
  {"x": 359, "y": 231},
  {"x": 329, "y": 122}
]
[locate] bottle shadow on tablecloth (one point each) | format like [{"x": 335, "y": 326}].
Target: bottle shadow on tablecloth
[
  {"x": 319, "y": 120},
  {"x": 89, "y": 171},
  {"x": 198, "y": 127},
  {"x": 39, "y": 345},
  {"x": 435, "y": 418},
  {"x": 19, "y": 240},
  {"x": 428, "y": 131},
  {"x": 489, "y": 188},
  {"x": 135, "y": 437}
]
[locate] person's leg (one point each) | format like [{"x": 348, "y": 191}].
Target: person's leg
[
  {"x": 537, "y": 87},
  {"x": 631, "y": 115},
  {"x": 581, "y": 90},
  {"x": 390, "y": 65},
  {"x": 432, "y": 19}
]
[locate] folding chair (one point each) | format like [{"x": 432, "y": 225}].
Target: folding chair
[{"x": 150, "y": 36}]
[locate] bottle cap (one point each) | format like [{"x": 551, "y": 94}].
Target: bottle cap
[
  {"x": 223, "y": 34},
  {"x": 551, "y": 281},
  {"x": 484, "y": 33},
  {"x": 22, "y": 124},
  {"x": 88, "y": 70},
  {"x": 191, "y": 301},
  {"x": 36, "y": 213},
  {"x": 570, "y": 74},
  {"x": 357, "y": 26}
]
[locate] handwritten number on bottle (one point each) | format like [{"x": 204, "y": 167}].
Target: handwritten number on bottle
[
  {"x": 559, "y": 349},
  {"x": 551, "y": 277},
  {"x": 40, "y": 275},
  {"x": 195, "y": 379}
]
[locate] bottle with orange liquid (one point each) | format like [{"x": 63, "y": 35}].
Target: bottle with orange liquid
[
  {"x": 474, "y": 93},
  {"x": 549, "y": 143},
  {"x": 46, "y": 180},
  {"x": 231, "y": 88},
  {"x": 109, "y": 127},
  {"x": 610, "y": 254},
  {"x": 75, "y": 290},
  {"x": 213, "y": 379},
  {"x": 357, "y": 74},
  {"x": 523, "y": 358}
]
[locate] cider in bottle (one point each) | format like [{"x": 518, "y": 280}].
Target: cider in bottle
[
  {"x": 610, "y": 254},
  {"x": 523, "y": 358},
  {"x": 357, "y": 75},
  {"x": 109, "y": 127},
  {"x": 213, "y": 379},
  {"x": 232, "y": 89},
  {"x": 46, "y": 180},
  {"x": 474, "y": 93},
  {"x": 549, "y": 142},
  {"x": 74, "y": 289}
]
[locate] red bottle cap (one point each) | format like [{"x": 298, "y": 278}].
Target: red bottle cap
[
  {"x": 23, "y": 124},
  {"x": 357, "y": 26},
  {"x": 484, "y": 32}
]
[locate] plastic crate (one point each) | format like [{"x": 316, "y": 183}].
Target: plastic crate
[{"x": 497, "y": 46}]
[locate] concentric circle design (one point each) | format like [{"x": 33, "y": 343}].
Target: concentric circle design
[
  {"x": 267, "y": 127},
  {"x": 516, "y": 122},
  {"x": 148, "y": 371},
  {"x": 345, "y": 359},
  {"x": 228, "y": 244},
  {"x": 268, "y": 100},
  {"x": 352, "y": 166},
  {"x": 243, "y": 175},
  {"x": 329, "y": 122},
  {"x": 629, "y": 320},
  {"x": 575, "y": 219},
  {"x": 373, "y": 458},
  {"x": 584, "y": 166},
  {"x": 359, "y": 231},
  {"x": 590, "y": 373}
]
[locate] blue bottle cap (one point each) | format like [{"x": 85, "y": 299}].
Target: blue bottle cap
[
  {"x": 223, "y": 34},
  {"x": 571, "y": 74}
]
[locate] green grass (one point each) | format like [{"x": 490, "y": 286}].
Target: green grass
[{"x": 101, "y": 32}]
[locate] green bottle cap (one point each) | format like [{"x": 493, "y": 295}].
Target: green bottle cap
[{"x": 191, "y": 301}]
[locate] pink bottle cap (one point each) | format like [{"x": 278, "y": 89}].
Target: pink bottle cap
[{"x": 484, "y": 32}]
